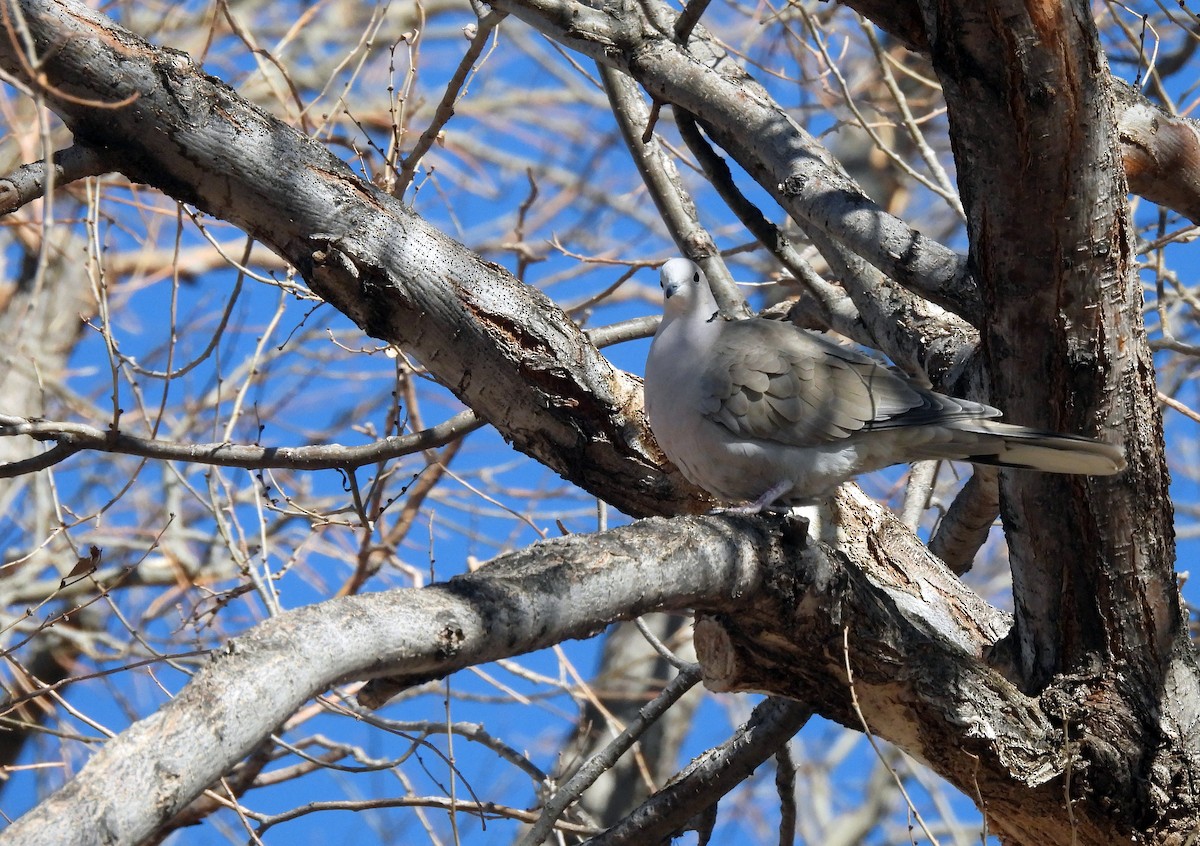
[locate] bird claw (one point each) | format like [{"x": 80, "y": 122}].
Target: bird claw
[
  {"x": 796, "y": 526},
  {"x": 752, "y": 509},
  {"x": 767, "y": 503}
]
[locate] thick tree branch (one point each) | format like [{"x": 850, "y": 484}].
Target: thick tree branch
[
  {"x": 954, "y": 712},
  {"x": 570, "y": 587},
  {"x": 499, "y": 345},
  {"x": 788, "y": 162},
  {"x": 918, "y": 642},
  {"x": 1160, "y": 151}
]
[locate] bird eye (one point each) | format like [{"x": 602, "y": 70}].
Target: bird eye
[{"x": 696, "y": 276}]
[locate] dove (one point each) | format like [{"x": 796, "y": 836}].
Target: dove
[{"x": 761, "y": 411}]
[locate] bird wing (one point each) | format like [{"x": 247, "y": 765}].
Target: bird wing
[{"x": 771, "y": 381}]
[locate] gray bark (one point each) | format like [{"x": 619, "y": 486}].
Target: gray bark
[
  {"x": 498, "y": 344},
  {"x": 525, "y": 601}
]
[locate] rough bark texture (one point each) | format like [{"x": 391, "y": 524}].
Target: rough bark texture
[
  {"x": 1098, "y": 620},
  {"x": 956, "y": 712},
  {"x": 560, "y": 589},
  {"x": 917, "y": 642},
  {"x": 498, "y": 344}
]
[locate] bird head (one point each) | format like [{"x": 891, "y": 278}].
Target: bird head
[{"x": 685, "y": 290}]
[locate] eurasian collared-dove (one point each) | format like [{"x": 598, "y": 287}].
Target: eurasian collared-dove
[{"x": 759, "y": 410}]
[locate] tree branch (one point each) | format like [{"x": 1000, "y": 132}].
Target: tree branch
[
  {"x": 710, "y": 776},
  {"x": 787, "y": 161},
  {"x": 966, "y": 524},
  {"x": 607, "y": 757},
  {"x": 1160, "y": 151},
  {"x": 499, "y": 345},
  {"x": 29, "y": 182},
  {"x": 73, "y": 437},
  {"x": 774, "y": 611},
  {"x": 1094, "y": 586},
  {"x": 662, "y": 181},
  {"x": 521, "y": 602}
]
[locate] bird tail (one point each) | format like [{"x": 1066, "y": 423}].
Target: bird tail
[{"x": 1017, "y": 446}]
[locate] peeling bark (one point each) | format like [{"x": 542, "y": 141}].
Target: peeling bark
[{"x": 1160, "y": 152}]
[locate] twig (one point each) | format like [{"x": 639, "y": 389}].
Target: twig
[
  {"x": 688, "y": 19},
  {"x": 73, "y": 437},
  {"x": 914, "y": 131},
  {"x": 1175, "y": 404},
  {"x": 837, "y": 311},
  {"x": 473, "y": 732},
  {"x": 660, "y": 647},
  {"x": 785, "y": 786},
  {"x": 945, "y": 191},
  {"x": 445, "y": 109},
  {"x": 711, "y": 775},
  {"x": 871, "y": 738},
  {"x": 482, "y": 809},
  {"x": 29, "y": 182},
  {"x": 606, "y": 757},
  {"x": 661, "y": 178}
]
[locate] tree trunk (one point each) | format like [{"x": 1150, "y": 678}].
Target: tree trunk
[{"x": 1099, "y": 631}]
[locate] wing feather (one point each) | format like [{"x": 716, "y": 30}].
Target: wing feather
[{"x": 770, "y": 381}]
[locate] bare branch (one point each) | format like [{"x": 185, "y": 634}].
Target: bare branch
[
  {"x": 965, "y": 526},
  {"x": 496, "y": 343},
  {"x": 692, "y": 12},
  {"x": 28, "y": 182},
  {"x": 483, "y": 30},
  {"x": 662, "y": 181},
  {"x": 73, "y": 437},
  {"x": 525, "y": 601},
  {"x": 710, "y": 776},
  {"x": 607, "y": 757},
  {"x": 837, "y": 311},
  {"x": 740, "y": 569},
  {"x": 800, "y": 173},
  {"x": 1161, "y": 152}
]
